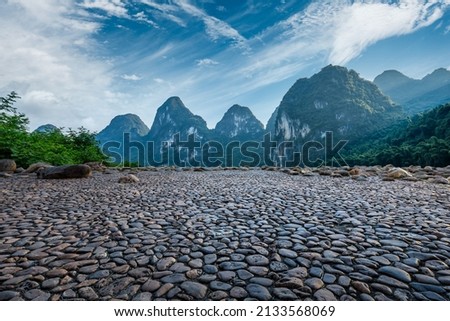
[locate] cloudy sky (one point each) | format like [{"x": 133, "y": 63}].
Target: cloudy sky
[{"x": 83, "y": 62}]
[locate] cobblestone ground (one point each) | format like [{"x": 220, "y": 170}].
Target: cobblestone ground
[{"x": 228, "y": 235}]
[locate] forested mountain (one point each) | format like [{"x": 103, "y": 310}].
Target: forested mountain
[{"x": 420, "y": 140}]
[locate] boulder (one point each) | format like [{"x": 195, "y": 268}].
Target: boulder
[
  {"x": 355, "y": 172},
  {"x": 7, "y": 166},
  {"x": 96, "y": 166},
  {"x": 65, "y": 172},
  {"x": 398, "y": 173},
  {"x": 33, "y": 168},
  {"x": 129, "y": 179}
]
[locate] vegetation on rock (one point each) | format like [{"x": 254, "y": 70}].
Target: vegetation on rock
[{"x": 421, "y": 140}]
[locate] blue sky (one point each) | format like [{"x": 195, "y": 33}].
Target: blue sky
[{"x": 83, "y": 62}]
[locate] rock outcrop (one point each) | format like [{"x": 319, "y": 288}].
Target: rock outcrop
[
  {"x": 65, "y": 172},
  {"x": 7, "y": 166}
]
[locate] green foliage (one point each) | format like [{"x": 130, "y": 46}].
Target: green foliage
[
  {"x": 12, "y": 124},
  {"x": 422, "y": 140},
  {"x": 55, "y": 147}
]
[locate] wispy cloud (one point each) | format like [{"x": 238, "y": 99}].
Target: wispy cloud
[
  {"x": 141, "y": 16},
  {"x": 160, "y": 6},
  {"x": 362, "y": 24},
  {"x": 334, "y": 31},
  {"x": 215, "y": 28},
  {"x": 132, "y": 77},
  {"x": 206, "y": 62},
  {"x": 166, "y": 11},
  {"x": 111, "y": 7}
]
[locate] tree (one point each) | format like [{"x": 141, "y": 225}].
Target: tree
[
  {"x": 13, "y": 124},
  {"x": 55, "y": 147}
]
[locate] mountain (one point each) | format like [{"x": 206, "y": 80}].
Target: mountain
[
  {"x": 48, "y": 128},
  {"x": 128, "y": 123},
  {"x": 270, "y": 127},
  {"x": 335, "y": 99},
  {"x": 174, "y": 118},
  {"x": 239, "y": 124},
  {"x": 421, "y": 140},
  {"x": 416, "y": 95}
]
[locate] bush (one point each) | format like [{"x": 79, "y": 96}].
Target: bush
[{"x": 55, "y": 147}]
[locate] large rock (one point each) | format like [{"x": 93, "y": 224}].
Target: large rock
[
  {"x": 97, "y": 166},
  {"x": 129, "y": 179},
  {"x": 64, "y": 172},
  {"x": 397, "y": 173},
  {"x": 33, "y": 168},
  {"x": 7, "y": 165}
]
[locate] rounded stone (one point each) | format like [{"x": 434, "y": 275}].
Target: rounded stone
[
  {"x": 314, "y": 283},
  {"x": 210, "y": 269},
  {"x": 257, "y": 260},
  {"x": 288, "y": 253},
  {"x": 218, "y": 285},
  {"x": 324, "y": 295},
  {"x": 151, "y": 286},
  {"x": 284, "y": 294},
  {"x": 197, "y": 290},
  {"x": 395, "y": 273},
  {"x": 218, "y": 295},
  {"x": 238, "y": 292},
  {"x": 258, "y": 292},
  {"x": 226, "y": 275}
]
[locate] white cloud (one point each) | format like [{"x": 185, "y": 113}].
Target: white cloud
[
  {"x": 141, "y": 16},
  {"x": 221, "y": 9},
  {"x": 206, "y": 62},
  {"x": 334, "y": 31},
  {"x": 111, "y": 7},
  {"x": 166, "y": 11},
  {"x": 115, "y": 96},
  {"x": 132, "y": 77},
  {"x": 60, "y": 81},
  {"x": 360, "y": 25},
  {"x": 159, "y": 6},
  {"x": 166, "y": 85},
  {"x": 38, "y": 97},
  {"x": 215, "y": 28}
]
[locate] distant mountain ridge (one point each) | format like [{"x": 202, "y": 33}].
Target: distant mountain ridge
[
  {"x": 48, "y": 128},
  {"x": 416, "y": 95},
  {"x": 334, "y": 100}
]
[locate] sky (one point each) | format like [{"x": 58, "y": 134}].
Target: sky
[{"x": 80, "y": 63}]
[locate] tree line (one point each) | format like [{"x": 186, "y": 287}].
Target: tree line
[{"x": 55, "y": 147}]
